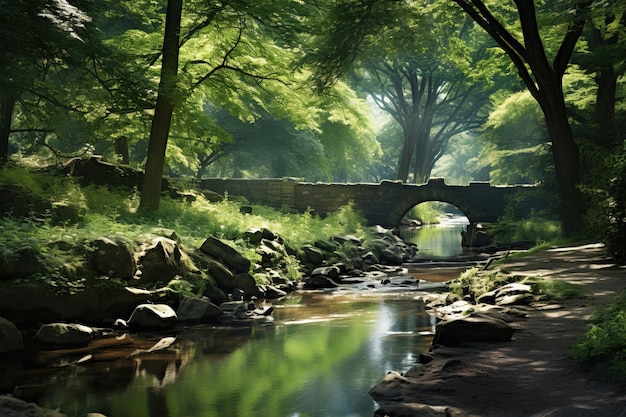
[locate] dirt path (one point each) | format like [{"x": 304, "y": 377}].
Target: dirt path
[{"x": 530, "y": 376}]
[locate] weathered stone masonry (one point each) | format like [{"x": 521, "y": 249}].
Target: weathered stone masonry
[{"x": 384, "y": 204}]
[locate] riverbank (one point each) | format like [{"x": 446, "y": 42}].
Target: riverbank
[{"x": 531, "y": 375}]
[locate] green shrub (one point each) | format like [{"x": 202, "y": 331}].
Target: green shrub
[
  {"x": 604, "y": 343},
  {"x": 478, "y": 282}
]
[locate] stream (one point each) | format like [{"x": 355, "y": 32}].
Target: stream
[{"x": 317, "y": 356}]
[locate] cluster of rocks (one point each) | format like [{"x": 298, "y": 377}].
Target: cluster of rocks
[
  {"x": 488, "y": 318},
  {"x": 157, "y": 284},
  {"x": 348, "y": 260}
]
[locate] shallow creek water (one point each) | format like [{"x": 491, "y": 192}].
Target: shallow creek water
[{"x": 318, "y": 355}]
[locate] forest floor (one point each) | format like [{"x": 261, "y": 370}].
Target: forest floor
[{"x": 531, "y": 376}]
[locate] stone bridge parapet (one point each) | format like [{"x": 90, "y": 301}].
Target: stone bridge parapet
[{"x": 384, "y": 203}]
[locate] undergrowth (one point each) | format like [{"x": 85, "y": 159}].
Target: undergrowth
[
  {"x": 604, "y": 343},
  {"x": 478, "y": 282},
  {"x": 113, "y": 212}
]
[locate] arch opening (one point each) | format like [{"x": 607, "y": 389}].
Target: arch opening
[{"x": 436, "y": 228}]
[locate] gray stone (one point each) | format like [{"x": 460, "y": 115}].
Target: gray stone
[
  {"x": 390, "y": 257},
  {"x": 221, "y": 274},
  {"x": 64, "y": 334},
  {"x": 472, "y": 329},
  {"x": 14, "y": 407},
  {"x": 247, "y": 284},
  {"x": 255, "y": 235},
  {"x": 197, "y": 310},
  {"x": 222, "y": 252},
  {"x": 113, "y": 257},
  {"x": 314, "y": 256},
  {"x": 161, "y": 261},
  {"x": 348, "y": 239},
  {"x": 153, "y": 316},
  {"x": 235, "y": 308},
  {"x": 271, "y": 291},
  {"x": 11, "y": 339},
  {"x": 319, "y": 281},
  {"x": 331, "y": 272}
]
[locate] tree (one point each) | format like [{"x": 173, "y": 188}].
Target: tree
[
  {"x": 230, "y": 45},
  {"x": 151, "y": 188},
  {"x": 55, "y": 32},
  {"x": 429, "y": 83},
  {"x": 542, "y": 76},
  {"x": 544, "y": 80}
]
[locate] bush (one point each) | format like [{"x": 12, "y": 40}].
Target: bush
[{"x": 604, "y": 344}]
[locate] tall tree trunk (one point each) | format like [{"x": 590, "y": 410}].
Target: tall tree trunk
[
  {"x": 159, "y": 131},
  {"x": 7, "y": 105},
  {"x": 565, "y": 153},
  {"x": 406, "y": 155}
]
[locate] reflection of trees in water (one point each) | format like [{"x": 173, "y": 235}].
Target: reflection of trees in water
[
  {"x": 157, "y": 403},
  {"x": 398, "y": 341},
  {"x": 285, "y": 369}
]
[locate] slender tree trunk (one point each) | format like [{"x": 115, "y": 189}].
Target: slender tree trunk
[
  {"x": 159, "y": 132},
  {"x": 6, "y": 116},
  {"x": 604, "y": 111}
]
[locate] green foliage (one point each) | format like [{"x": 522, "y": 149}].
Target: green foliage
[
  {"x": 426, "y": 213},
  {"x": 535, "y": 229},
  {"x": 604, "y": 343},
  {"x": 517, "y": 150},
  {"x": 113, "y": 212},
  {"x": 477, "y": 282}
]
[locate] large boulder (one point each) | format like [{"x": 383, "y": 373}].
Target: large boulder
[
  {"x": 161, "y": 261},
  {"x": 113, "y": 257},
  {"x": 19, "y": 262},
  {"x": 224, "y": 253},
  {"x": 153, "y": 316},
  {"x": 479, "y": 328},
  {"x": 35, "y": 303},
  {"x": 11, "y": 339},
  {"x": 56, "y": 335},
  {"x": 197, "y": 310},
  {"x": 14, "y": 407},
  {"x": 509, "y": 294},
  {"x": 246, "y": 283},
  {"x": 313, "y": 255},
  {"x": 221, "y": 274}
]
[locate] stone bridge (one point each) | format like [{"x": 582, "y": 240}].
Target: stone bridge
[{"x": 384, "y": 204}]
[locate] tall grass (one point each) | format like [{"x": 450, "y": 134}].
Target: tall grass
[{"x": 111, "y": 211}]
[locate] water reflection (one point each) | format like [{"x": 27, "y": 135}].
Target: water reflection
[
  {"x": 437, "y": 241},
  {"x": 319, "y": 358}
]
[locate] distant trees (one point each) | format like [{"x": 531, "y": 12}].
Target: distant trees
[{"x": 432, "y": 84}]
